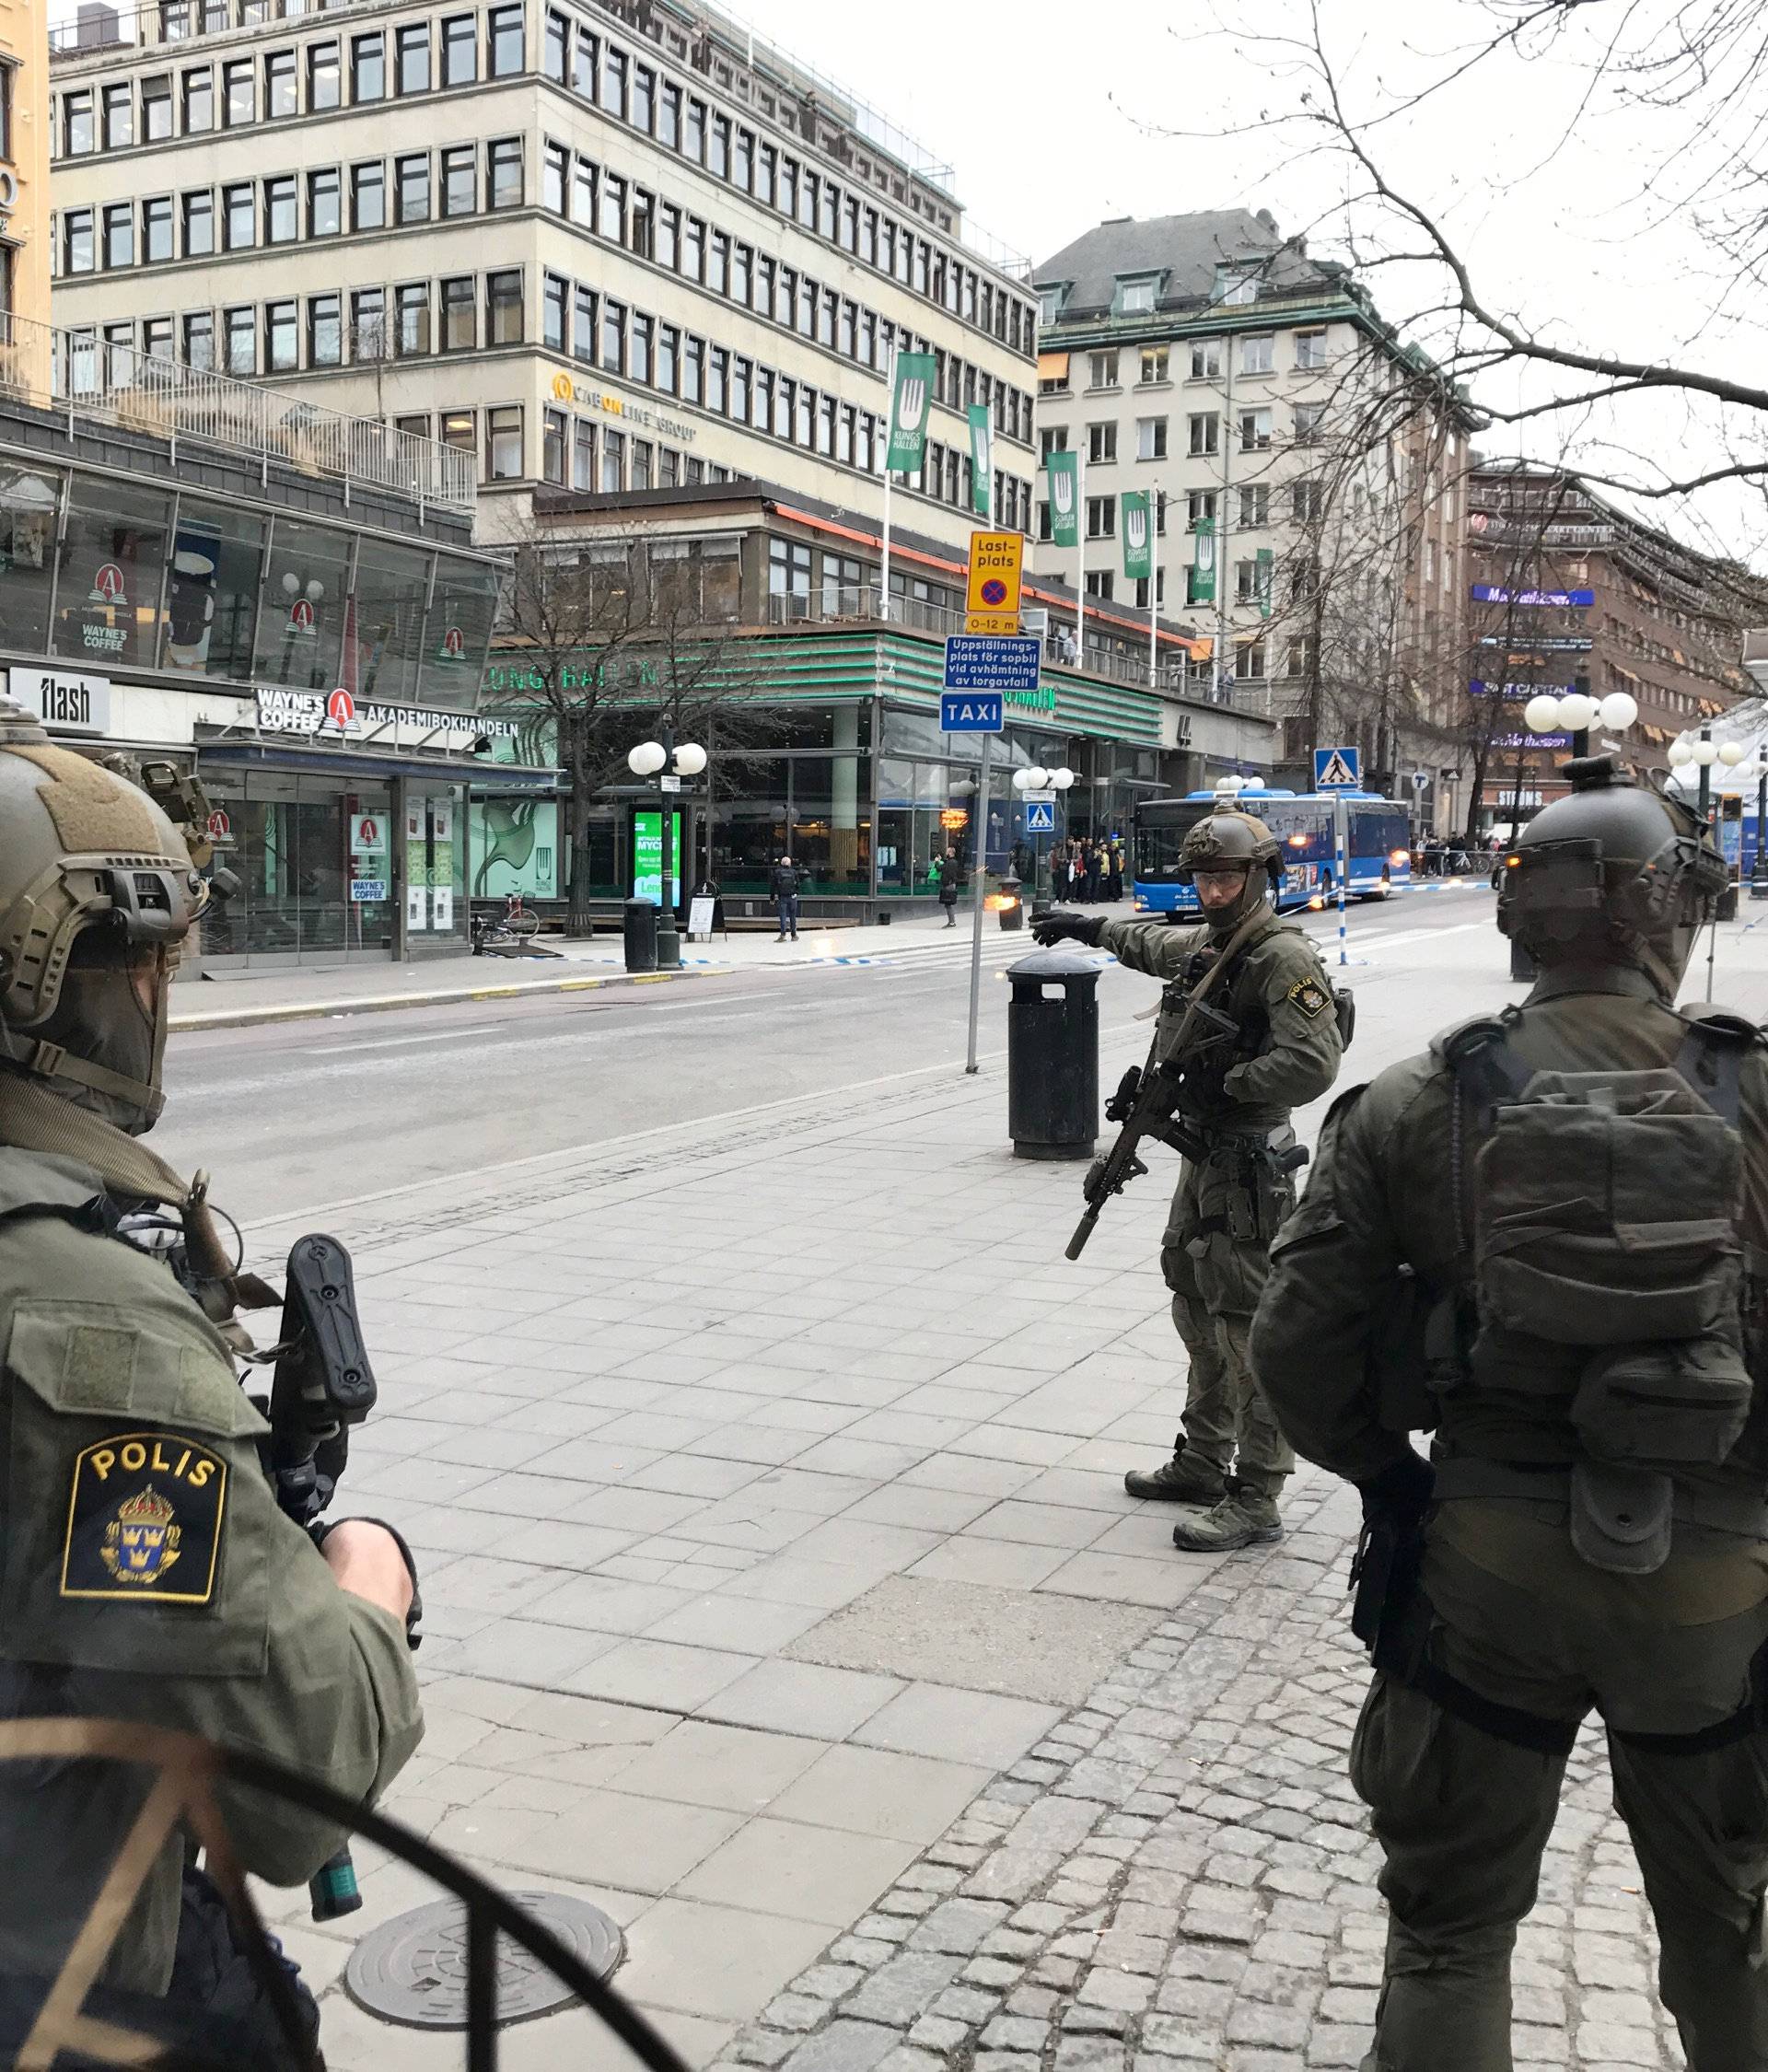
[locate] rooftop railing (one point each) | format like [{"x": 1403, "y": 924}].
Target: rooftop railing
[{"x": 79, "y": 374}]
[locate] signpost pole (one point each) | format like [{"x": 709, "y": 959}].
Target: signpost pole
[
  {"x": 976, "y": 904},
  {"x": 1341, "y": 816},
  {"x": 1080, "y": 557}
]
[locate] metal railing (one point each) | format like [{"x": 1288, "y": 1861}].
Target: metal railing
[
  {"x": 78, "y": 374},
  {"x": 845, "y": 603}
]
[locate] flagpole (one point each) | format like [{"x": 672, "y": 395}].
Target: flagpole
[
  {"x": 1080, "y": 555},
  {"x": 890, "y": 426},
  {"x": 1154, "y": 587}
]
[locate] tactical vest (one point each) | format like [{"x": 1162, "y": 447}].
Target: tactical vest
[{"x": 1598, "y": 1216}]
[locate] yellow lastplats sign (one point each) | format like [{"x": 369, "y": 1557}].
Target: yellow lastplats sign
[{"x": 996, "y": 565}]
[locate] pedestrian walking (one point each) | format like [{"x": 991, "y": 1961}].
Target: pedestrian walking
[
  {"x": 950, "y": 873},
  {"x": 1234, "y": 1101},
  {"x": 784, "y": 884},
  {"x": 1529, "y": 1237}
]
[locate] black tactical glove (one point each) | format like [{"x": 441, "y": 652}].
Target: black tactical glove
[
  {"x": 1069, "y": 927},
  {"x": 1400, "y": 1494},
  {"x": 321, "y": 1527}
]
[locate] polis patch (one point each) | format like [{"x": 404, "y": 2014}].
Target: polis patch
[
  {"x": 144, "y": 1520},
  {"x": 1312, "y": 997}
]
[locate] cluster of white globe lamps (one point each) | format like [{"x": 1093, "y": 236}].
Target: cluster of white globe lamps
[
  {"x": 649, "y": 759},
  {"x": 1575, "y": 714},
  {"x": 1038, "y": 779},
  {"x": 1706, "y": 753}
]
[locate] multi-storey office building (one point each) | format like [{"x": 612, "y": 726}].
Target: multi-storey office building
[
  {"x": 1565, "y": 584},
  {"x": 606, "y": 248},
  {"x": 1305, "y": 465}
]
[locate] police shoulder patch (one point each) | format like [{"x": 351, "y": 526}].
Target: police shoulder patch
[
  {"x": 1311, "y": 996},
  {"x": 144, "y": 1520}
]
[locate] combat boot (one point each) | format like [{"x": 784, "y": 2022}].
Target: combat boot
[
  {"x": 1182, "y": 1480},
  {"x": 1240, "y": 1519}
]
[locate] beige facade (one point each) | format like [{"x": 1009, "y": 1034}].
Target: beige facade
[
  {"x": 606, "y": 248},
  {"x": 1310, "y": 472},
  {"x": 25, "y": 239}
]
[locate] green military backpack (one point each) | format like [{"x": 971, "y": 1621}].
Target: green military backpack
[{"x": 1603, "y": 1212}]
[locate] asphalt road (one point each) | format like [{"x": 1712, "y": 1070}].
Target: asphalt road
[{"x": 299, "y": 1116}]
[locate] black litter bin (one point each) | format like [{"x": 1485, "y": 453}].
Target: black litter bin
[
  {"x": 639, "y": 925},
  {"x": 1053, "y": 1055},
  {"x": 1010, "y": 912}
]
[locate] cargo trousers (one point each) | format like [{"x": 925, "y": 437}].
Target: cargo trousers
[
  {"x": 1463, "y": 1815},
  {"x": 1215, "y": 1256}
]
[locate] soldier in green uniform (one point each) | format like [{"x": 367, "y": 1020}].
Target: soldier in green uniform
[
  {"x": 1229, "y": 1205},
  {"x": 1547, "y": 1237},
  {"x": 147, "y": 1574}
]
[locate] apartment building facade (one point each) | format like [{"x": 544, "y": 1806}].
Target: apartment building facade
[
  {"x": 1305, "y": 472},
  {"x": 24, "y": 241},
  {"x": 606, "y": 248},
  {"x": 1565, "y": 586}
]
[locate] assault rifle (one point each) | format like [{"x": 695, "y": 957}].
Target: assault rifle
[
  {"x": 322, "y": 1385},
  {"x": 1146, "y": 1100}
]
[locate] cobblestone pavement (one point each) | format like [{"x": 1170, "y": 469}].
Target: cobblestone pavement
[{"x": 1179, "y": 1875}]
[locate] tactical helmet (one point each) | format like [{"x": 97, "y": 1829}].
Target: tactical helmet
[
  {"x": 97, "y": 891},
  {"x": 1613, "y": 874},
  {"x": 1230, "y": 839}
]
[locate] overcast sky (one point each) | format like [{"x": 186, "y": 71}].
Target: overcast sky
[{"x": 1572, "y": 212}]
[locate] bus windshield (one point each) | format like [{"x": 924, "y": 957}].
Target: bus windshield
[{"x": 1160, "y": 837}]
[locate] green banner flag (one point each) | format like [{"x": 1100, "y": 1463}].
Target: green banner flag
[
  {"x": 981, "y": 459},
  {"x": 1203, "y": 566},
  {"x": 1138, "y": 534},
  {"x": 909, "y": 408},
  {"x": 1063, "y": 470},
  {"x": 1267, "y": 573}
]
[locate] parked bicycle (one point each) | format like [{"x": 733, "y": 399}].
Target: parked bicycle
[{"x": 517, "y": 925}]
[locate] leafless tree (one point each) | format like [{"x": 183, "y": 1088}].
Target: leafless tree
[{"x": 602, "y": 644}]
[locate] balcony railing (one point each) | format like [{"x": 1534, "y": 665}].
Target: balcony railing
[
  {"x": 845, "y": 602},
  {"x": 79, "y": 374}
]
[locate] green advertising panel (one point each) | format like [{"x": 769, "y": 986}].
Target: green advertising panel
[
  {"x": 1138, "y": 534},
  {"x": 981, "y": 460},
  {"x": 648, "y": 857},
  {"x": 911, "y": 406},
  {"x": 1266, "y": 579},
  {"x": 514, "y": 847},
  {"x": 1064, "y": 470}
]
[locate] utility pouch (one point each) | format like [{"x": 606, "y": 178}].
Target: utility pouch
[
  {"x": 1679, "y": 1399},
  {"x": 1620, "y": 1516}
]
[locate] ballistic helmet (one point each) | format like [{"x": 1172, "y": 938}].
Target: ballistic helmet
[
  {"x": 1615, "y": 873},
  {"x": 1228, "y": 839},
  {"x": 97, "y": 891}
]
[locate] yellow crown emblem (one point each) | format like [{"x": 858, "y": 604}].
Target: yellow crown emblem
[{"x": 147, "y": 1508}]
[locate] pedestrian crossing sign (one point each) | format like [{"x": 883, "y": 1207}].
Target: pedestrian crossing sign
[
  {"x": 1040, "y": 818},
  {"x": 1338, "y": 769}
]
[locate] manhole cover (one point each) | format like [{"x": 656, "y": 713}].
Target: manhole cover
[{"x": 414, "y": 1969}]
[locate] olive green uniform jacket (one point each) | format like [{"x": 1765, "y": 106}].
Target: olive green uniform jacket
[{"x": 147, "y": 1575}]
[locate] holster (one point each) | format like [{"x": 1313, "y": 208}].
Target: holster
[{"x": 1388, "y": 1614}]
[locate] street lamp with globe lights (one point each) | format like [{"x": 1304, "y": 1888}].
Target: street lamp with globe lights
[
  {"x": 1035, "y": 777},
  {"x": 669, "y": 762}
]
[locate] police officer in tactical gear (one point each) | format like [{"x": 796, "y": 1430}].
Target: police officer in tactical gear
[
  {"x": 1546, "y": 1238},
  {"x": 147, "y": 1574},
  {"x": 1236, "y": 1097}
]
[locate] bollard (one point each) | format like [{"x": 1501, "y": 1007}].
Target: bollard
[
  {"x": 639, "y": 927},
  {"x": 1053, "y": 1055}
]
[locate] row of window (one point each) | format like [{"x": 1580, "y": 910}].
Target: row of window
[
  {"x": 1258, "y": 356},
  {"x": 308, "y": 79},
  {"x": 629, "y": 90},
  {"x": 1257, "y": 429},
  {"x": 457, "y": 51},
  {"x": 621, "y": 212},
  {"x": 243, "y": 215}
]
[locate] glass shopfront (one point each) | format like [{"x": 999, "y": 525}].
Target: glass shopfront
[{"x": 314, "y": 859}]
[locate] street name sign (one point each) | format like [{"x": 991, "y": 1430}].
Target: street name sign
[{"x": 1338, "y": 769}]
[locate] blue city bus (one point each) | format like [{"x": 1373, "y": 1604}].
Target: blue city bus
[{"x": 1381, "y": 835}]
